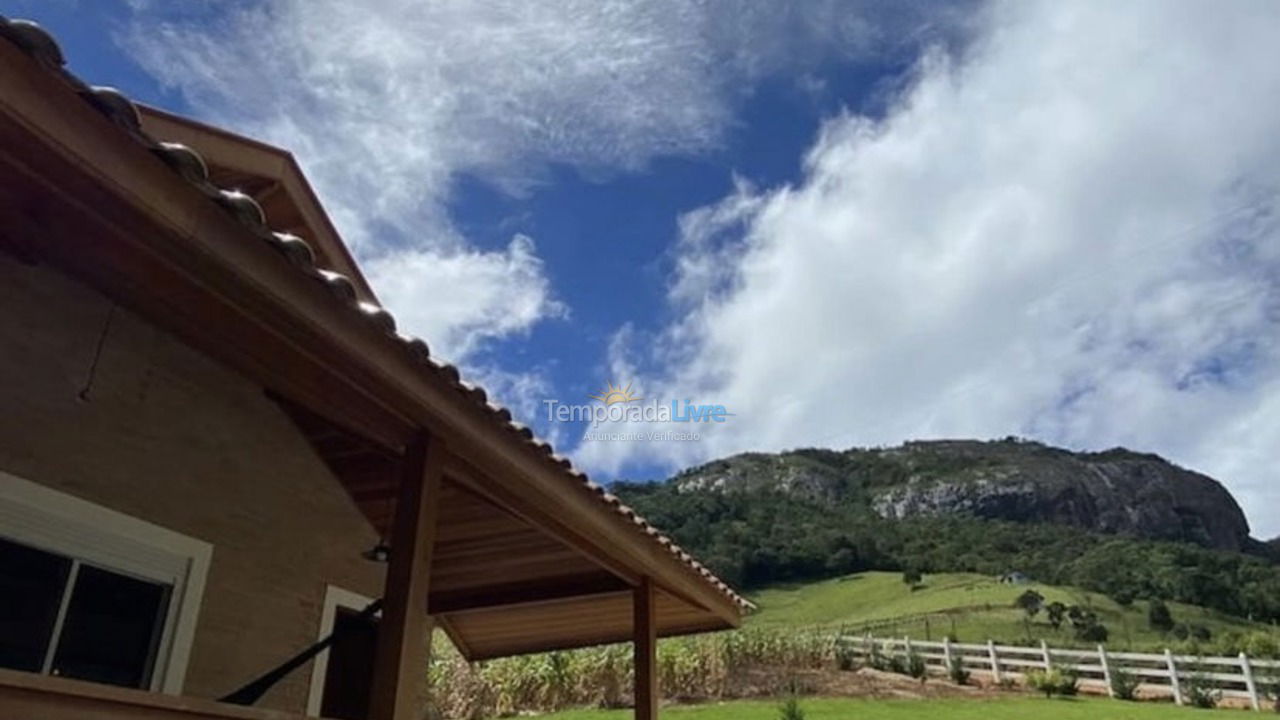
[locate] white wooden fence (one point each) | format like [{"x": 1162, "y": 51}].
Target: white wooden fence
[{"x": 1166, "y": 673}]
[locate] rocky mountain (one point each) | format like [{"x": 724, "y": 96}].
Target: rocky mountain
[{"x": 1116, "y": 491}]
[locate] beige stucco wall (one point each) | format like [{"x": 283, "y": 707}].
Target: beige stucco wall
[{"x": 171, "y": 437}]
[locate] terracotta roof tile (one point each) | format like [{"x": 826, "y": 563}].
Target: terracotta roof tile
[{"x": 188, "y": 165}]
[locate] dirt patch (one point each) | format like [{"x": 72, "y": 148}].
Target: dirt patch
[
  {"x": 864, "y": 682},
  {"x": 868, "y": 682}
]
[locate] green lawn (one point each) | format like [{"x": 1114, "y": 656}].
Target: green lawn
[
  {"x": 977, "y": 608},
  {"x": 1020, "y": 708}
]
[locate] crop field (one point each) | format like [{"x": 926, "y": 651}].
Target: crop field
[{"x": 794, "y": 633}]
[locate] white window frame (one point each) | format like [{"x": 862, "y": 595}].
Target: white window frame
[
  {"x": 334, "y": 598},
  {"x": 47, "y": 519}
]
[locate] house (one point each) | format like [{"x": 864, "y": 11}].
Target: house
[
  {"x": 1014, "y": 578},
  {"x": 221, "y": 462}
]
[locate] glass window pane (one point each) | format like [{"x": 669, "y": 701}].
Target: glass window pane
[
  {"x": 31, "y": 586},
  {"x": 111, "y": 629}
]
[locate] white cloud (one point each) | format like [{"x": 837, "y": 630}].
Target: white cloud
[
  {"x": 1069, "y": 232},
  {"x": 387, "y": 102},
  {"x": 461, "y": 298}
]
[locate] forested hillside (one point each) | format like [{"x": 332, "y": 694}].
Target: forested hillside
[{"x": 757, "y": 529}]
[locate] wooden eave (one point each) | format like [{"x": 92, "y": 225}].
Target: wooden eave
[{"x": 83, "y": 191}]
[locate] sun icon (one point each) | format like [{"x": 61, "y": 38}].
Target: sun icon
[{"x": 616, "y": 394}]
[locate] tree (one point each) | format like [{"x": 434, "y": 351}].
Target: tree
[
  {"x": 1158, "y": 616},
  {"x": 1096, "y": 633},
  {"x": 1029, "y": 602},
  {"x": 1085, "y": 624},
  {"x": 842, "y": 561},
  {"x": 1081, "y": 617},
  {"x": 1057, "y": 612},
  {"x": 1192, "y": 631},
  {"x": 912, "y": 577}
]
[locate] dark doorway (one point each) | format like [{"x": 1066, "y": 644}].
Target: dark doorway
[{"x": 350, "y": 673}]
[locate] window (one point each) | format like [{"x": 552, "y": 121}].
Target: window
[
  {"x": 32, "y": 584},
  {"x": 64, "y": 617},
  {"x": 93, "y": 594}
]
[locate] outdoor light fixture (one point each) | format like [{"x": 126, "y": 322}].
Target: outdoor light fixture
[
  {"x": 378, "y": 553},
  {"x": 382, "y": 551}
]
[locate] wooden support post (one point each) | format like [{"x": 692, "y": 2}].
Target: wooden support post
[
  {"x": 1173, "y": 676},
  {"x": 1048, "y": 658},
  {"x": 995, "y": 661},
  {"x": 404, "y": 635},
  {"x": 1106, "y": 669},
  {"x": 645, "y": 634},
  {"x": 1249, "y": 684}
]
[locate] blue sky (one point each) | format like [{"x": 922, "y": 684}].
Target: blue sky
[{"x": 851, "y": 223}]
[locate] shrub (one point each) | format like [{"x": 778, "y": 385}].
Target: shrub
[
  {"x": 1124, "y": 684},
  {"x": 846, "y": 657},
  {"x": 1043, "y": 681},
  {"x": 1258, "y": 644},
  {"x": 1158, "y": 616},
  {"x": 790, "y": 709},
  {"x": 1097, "y": 632},
  {"x": 1200, "y": 692},
  {"x": 958, "y": 672},
  {"x": 1269, "y": 687},
  {"x": 1057, "y": 613},
  {"x": 897, "y": 665},
  {"x": 877, "y": 660},
  {"x": 1054, "y": 681},
  {"x": 916, "y": 667},
  {"x": 1081, "y": 616},
  {"x": 1261, "y": 644},
  {"x": 1068, "y": 682}
]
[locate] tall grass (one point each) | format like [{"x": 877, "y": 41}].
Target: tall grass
[{"x": 699, "y": 667}]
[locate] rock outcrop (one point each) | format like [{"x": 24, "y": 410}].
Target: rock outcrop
[{"x": 1116, "y": 491}]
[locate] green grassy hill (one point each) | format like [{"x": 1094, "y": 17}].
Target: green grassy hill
[{"x": 972, "y": 608}]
